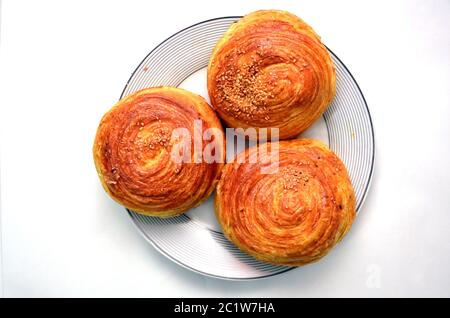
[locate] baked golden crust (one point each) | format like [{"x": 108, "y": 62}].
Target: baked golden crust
[
  {"x": 292, "y": 216},
  {"x": 270, "y": 69},
  {"x": 133, "y": 152}
]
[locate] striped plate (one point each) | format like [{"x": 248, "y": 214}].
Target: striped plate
[{"x": 194, "y": 240}]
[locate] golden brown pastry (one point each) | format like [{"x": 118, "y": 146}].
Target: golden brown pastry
[
  {"x": 135, "y": 148},
  {"x": 270, "y": 69},
  {"x": 292, "y": 214}
]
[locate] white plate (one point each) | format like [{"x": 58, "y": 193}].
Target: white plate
[{"x": 195, "y": 240}]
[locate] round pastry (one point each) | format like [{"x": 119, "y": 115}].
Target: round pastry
[
  {"x": 290, "y": 207},
  {"x": 145, "y": 154},
  {"x": 270, "y": 69}
]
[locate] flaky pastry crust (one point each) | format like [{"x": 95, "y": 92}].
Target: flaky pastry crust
[
  {"x": 133, "y": 152},
  {"x": 270, "y": 69},
  {"x": 292, "y": 216}
]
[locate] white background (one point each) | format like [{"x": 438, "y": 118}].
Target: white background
[{"x": 64, "y": 63}]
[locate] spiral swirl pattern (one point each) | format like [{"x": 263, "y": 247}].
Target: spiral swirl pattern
[
  {"x": 270, "y": 69},
  {"x": 134, "y": 145},
  {"x": 293, "y": 215}
]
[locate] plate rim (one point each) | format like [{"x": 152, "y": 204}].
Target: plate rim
[{"x": 197, "y": 271}]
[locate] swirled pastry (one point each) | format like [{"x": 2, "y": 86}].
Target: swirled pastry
[
  {"x": 145, "y": 155},
  {"x": 270, "y": 69},
  {"x": 292, "y": 213}
]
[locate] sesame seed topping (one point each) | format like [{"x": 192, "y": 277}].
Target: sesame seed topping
[{"x": 241, "y": 90}]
